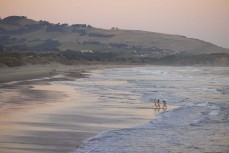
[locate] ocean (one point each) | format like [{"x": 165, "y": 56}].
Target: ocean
[{"x": 199, "y": 123}]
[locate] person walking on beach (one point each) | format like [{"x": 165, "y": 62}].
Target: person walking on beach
[
  {"x": 158, "y": 103},
  {"x": 155, "y": 103},
  {"x": 164, "y": 104}
]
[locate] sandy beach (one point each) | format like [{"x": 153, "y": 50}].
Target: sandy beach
[
  {"x": 97, "y": 108},
  {"x": 44, "y": 116},
  {"x": 28, "y": 72}
]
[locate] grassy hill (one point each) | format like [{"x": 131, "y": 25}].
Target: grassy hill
[{"x": 19, "y": 34}]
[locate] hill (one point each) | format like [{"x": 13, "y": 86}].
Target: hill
[{"x": 20, "y": 34}]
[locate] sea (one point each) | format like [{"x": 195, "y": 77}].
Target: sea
[{"x": 198, "y": 123}]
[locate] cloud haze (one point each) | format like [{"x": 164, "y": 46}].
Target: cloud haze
[{"x": 207, "y": 20}]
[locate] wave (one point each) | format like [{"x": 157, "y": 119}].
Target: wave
[
  {"x": 200, "y": 124},
  {"x": 166, "y": 133}
]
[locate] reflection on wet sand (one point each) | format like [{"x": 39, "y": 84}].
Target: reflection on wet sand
[{"x": 56, "y": 118}]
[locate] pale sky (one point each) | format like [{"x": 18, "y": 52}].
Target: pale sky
[{"x": 207, "y": 20}]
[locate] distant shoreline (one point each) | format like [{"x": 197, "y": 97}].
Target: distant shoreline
[{"x": 28, "y": 72}]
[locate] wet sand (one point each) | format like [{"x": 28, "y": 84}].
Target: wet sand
[
  {"x": 28, "y": 72},
  {"x": 44, "y": 116}
]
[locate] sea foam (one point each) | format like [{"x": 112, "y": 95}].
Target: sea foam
[{"x": 192, "y": 127}]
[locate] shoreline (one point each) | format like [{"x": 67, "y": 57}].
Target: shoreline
[
  {"x": 29, "y": 72},
  {"x": 57, "y": 119},
  {"x": 38, "y": 116}
]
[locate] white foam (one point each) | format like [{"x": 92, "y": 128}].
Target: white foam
[
  {"x": 202, "y": 104},
  {"x": 214, "y": 113},
  {"x": 172, "y": 131},
  {"x": 211, "y": 106}
]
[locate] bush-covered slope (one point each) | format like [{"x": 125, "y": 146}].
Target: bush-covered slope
[{"x": 19, "y": 34}]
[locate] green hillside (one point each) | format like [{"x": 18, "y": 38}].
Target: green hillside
[{"x": 19, "y": 34}]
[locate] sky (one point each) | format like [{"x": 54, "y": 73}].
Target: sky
[{"x": 206, "y": 20}]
